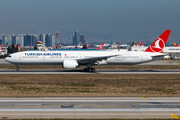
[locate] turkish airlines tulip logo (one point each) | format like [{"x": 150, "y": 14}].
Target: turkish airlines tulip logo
[{"x": 158, "y": 45}]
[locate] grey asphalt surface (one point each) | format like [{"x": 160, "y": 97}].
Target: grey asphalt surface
[
  {"x": 90, "y": 107},
  {"x": 104, "y": 71},
  {"x": 158, "y": 62}
]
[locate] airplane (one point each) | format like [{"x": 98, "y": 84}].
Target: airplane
[
  {"x": 0, "y": 47},
  {"x": 79, "y": 46},
  {"x": 87, "y": 45},
  {"x": 174, "y": 44},
  {"x": 19, "y": 47},
  {"x": 41, "y": 46},
  {"x": 140, "y": 44},
  {"x": 74, "y": 59},
  {"x": 52, "y": 47},
  {"x": 100, "y": 47}
]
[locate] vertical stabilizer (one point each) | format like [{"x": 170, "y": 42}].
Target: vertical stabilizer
[{"x": 159, "y": 44}]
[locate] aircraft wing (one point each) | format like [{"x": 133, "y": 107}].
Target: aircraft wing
[{"x": 94, "y": 59}]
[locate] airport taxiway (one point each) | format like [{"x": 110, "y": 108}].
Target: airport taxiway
[
  {"x": 78, "y": 71},
  {"x": 90, "y": 107},
  {"x": 157, "y": 62}
]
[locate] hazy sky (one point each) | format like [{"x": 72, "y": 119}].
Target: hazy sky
[{"x": 98, "y": 17}]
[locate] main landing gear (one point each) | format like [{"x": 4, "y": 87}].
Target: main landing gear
[{"x": 89, "y": 68}]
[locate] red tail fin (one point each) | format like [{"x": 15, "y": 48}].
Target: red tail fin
[
  {"x": 0, "y": 47},
  {"x": 87, "y": 45},
  {"x": 159, "y": 44},
  {"x": 140, "y": 44},
  {"x": 100, "y": 47},
  {"x": 19, "y": 47},
  {"x": 52, "y": 47}
]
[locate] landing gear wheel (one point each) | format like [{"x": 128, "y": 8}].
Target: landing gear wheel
[
  {"x": 92, "y": 70},
  {"x": 89, "y": 69}
]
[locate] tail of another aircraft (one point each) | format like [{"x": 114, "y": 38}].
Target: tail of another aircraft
[
  {"x": 87, "y": 45},
  {"x": 52, "y": 47},
  {"x": 0, "y": 47},
  {"x": 159, "y": 44},
  {"x": 140, "y": 44},
  {"x": 41, "y": 46},
  {"x": 100, "y": 47},
  {"x": 19, "y": 47},
  {"x": 174, "y": 43}
]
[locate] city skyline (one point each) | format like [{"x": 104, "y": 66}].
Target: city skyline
[{"x": 119, "y": 20}]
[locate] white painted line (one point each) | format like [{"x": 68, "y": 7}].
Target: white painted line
[
  {"x": 144, "y": 100},
  {"x": 90, "y": 109}
]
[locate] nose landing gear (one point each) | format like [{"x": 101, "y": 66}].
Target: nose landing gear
[{"x": 17, "y": 67}]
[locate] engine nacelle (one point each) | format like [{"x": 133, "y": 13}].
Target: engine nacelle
[{"x": 70, "y": 64}]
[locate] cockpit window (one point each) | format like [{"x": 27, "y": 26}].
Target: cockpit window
[{"x": 9, "y": 56}]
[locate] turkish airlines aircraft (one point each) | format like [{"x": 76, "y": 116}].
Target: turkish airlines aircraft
[
  {"x": 0, "y": 47},
  {"x": 100, "y": 47},
  {"x": 140, "y": 45},
  {"x": 74, "y": 59}
]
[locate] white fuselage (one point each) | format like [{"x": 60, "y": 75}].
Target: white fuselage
[{"x": 58, "y": 57}]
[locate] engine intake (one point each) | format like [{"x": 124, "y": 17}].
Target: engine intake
[{"x": 70, "y": 64}]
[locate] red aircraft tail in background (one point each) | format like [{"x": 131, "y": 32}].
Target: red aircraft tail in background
[
  {"x": 87, "y": 45},
  {"x": 52, "y": 47},
  {"x": 100, "y": 47},
  {"x": 19, "y": 47},
  {"x": 174, "y": 44},
  {"x": 140, "y": 44}
]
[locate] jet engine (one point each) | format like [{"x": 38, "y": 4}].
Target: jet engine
[{"x": 70, "y": 64}]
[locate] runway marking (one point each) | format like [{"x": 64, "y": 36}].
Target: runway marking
[
  {"x": 102, "y": 73},
  {"x": 143, "y": 97},
  {"x": 174, "y": 116},
  {"x": 91, "y": 109},
  {"x": 84, "y": 101}
]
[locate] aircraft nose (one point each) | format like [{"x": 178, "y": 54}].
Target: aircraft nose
[{"x": 7, "y": 59}]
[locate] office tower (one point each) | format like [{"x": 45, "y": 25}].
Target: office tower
[
  {"x": 75, "y": 38},
  {"x": 83, "y": 39},
  {"x": 14, "y": 39},
  {"x": 48, "y": 40},
  {"x": 7, "y": 39},
  {"x": 53, "y": 40},
  {"x": 20, "y": 40}
]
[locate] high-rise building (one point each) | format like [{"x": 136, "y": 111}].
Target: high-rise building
[
  {"x": 20, "y": 40},
  {"x": 48, "y": 40},
  {"x": 83, "y": 39},
  {"x": 27, "y": 40},
  {"x": 75, "y": 38},
  {"x": 53, "y": 40},
  {"x": 14, "y": 39},
  {"x": 7, "y": 39},
  {"x": 42, "y": 38}
]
